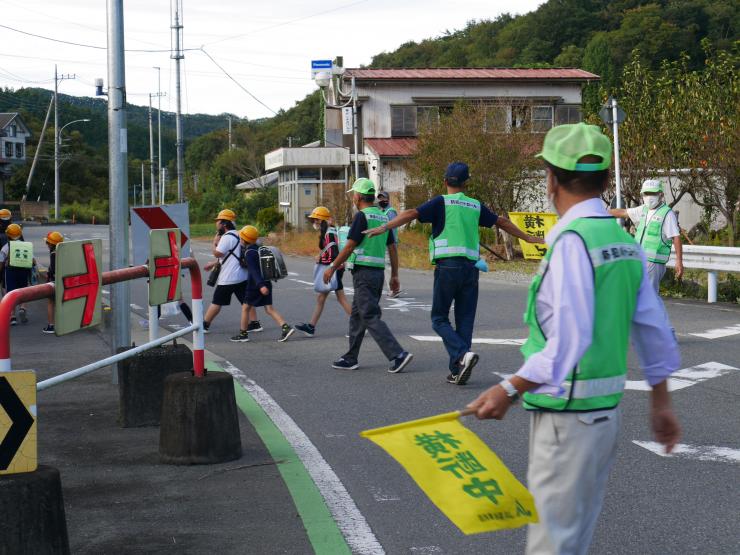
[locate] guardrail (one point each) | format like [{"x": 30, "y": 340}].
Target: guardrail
[
  {"x": 46, "y": 291},
  {"x": 711, "y": 259}
]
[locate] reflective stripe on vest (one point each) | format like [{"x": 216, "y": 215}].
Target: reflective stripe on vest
[
  {"x": 460, "y": 234},
  {"x": 650, "y": 234},
  {"x": 598, "y": 380}
]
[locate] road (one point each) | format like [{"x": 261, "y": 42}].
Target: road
[{"x": 654, "y": 504}]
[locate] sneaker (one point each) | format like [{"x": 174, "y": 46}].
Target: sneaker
[
  {"x": 48, "y": 329},
  {"x": 400, "y": 362},
  {"x": 394, "y": 294},
  {"x": 467, "y": 363},
  {"x": 452, "y": 378},
  {"x": 307, "y": 329},
  {"x": 13, "y": 321},
  {"x": 343, "y": 364},
  {"x": 287, "y": 331},
  {"x": 241, "y": 337},
  {"x": 206, "y": 327},
  {"x": 22, "y": 314},
  {"x": 255, "y": 326}
]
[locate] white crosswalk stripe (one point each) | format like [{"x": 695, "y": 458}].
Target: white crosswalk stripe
[
  {"x": 713, "y": 453},
  {"x": 717, "y": 333},
  {"x": 476, "y": 340}
]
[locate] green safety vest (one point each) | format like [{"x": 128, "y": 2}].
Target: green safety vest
[
  {"x": 650, "y": 234},
  {"x": 597, "y": 381},
  {"x": 20, "y": 254},
  {"x": 460, "y": 234},
  {"x": 371, "y": 252}
]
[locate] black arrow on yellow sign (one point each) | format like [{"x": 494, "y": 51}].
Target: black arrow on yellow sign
[{"x": 21, "y": 421}]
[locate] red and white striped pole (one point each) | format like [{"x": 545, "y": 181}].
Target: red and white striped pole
[
  {"x": 199, "y": 342},
  {"x": 7, "y": 305}
]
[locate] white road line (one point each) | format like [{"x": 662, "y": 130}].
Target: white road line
[
  {"x": 479, "y": 340},
  {"x": 301, "y": 281},
  {"x": 716, "y": 333},
  {"x": 686, "y": 377},
  {"x": 348, "y": 517},
  {"x": 711, "y": 453},
  {"x": 136, "y": 306}
]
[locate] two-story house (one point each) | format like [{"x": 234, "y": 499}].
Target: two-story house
[
  {"x": 13, "y": 136},
  {"x": 394, "y": 103}
]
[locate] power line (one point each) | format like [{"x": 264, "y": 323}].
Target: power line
[
  {"x": 286, "y": 22},
  {"x": 81, "y": 44},
  {"x": 238, "y": 84}
]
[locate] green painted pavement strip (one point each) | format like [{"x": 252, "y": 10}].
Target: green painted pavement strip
[{"x": 322, "y": 530}]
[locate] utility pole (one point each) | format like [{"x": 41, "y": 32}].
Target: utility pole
[
  {"x": 159, "y": 129},
  {"x": 231, "y": 145},
  {"x": 142, "y": 184},
  {"x": 57, "y": 78},
  {"x": 38, "y": 149},
  {"x": 177, "y": 56},
  {"x": 151, "y": 152},
  {"x": 118, "y": 174}
]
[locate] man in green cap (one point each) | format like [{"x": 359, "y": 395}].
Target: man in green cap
[
  {"x": 591, "y": 292},
  {"x": 657, "y": 229},
  {"x": 365, "y": 257}
]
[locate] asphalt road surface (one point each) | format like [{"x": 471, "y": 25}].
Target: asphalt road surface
[{"x": 654, "y": 504}]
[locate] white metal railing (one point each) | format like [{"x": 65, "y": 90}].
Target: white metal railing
[{"x": 711, "y": 259}]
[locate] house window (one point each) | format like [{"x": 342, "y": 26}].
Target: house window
[
  {"x": 567, "y": 113},
  {"x": 8, "y": 150},
  {"x": 19, "y": 150},
  {"x": 309, "y": 173},
  {"x": 541, "y": 119},
  {"x": 403, "y": 121},
  {"x": 426, "y": 116},
  {"x": 11, "y": 131}
]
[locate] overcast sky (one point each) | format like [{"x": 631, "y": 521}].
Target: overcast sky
[{"x": 266, "y": 45}]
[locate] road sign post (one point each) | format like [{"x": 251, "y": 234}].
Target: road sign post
[
  {"x": 612, "y": 114},
  {"x": 78, "y": 285},
  {"x": 164, "y": 266}
]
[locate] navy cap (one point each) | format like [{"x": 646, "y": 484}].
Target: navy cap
[
  {"x": 457, "y": 173},
  {"x": 382, "y": 194}
]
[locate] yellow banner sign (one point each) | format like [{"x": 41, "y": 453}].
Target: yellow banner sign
[
  {"x": 458, "y": 472},
  {"x": 534, "y": 223}
]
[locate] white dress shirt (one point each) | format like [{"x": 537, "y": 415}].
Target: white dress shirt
[{"x": 565, "y": 310}]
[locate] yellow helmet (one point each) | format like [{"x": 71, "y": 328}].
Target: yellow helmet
[
  {"x": 320, "y": 213},
  {"x": 5, "y": 214},
  {"x": 226, "y": 214},
  {"x": 54, "y": 238},
  {"x": 249, "y": 233},
  {"x": 13, "y": 231}
]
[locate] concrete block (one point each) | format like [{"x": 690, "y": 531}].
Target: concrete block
[
  {"x": 200, "y": 423},
  {"x": 141, "y": 383},
  {"x": 32, "y": 513}
]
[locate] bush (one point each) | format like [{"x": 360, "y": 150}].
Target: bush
[
  {"x": 268, "y": 219},
  {"x": 84, "y": 213}
]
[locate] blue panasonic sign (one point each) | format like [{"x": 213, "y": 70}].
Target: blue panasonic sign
[{"x": 321, "y": 64}]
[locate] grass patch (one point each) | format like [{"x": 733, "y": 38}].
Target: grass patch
[
  {"x": 202, "y": 231},
  {"x": 694, "y": 286}
]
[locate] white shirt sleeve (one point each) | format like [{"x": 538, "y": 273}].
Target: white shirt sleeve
[
  {"x": 635, "y": 213},
  {"x": 566, "y": 298},
  {"x": 652, "y": 335},
  {"x": 670, "y": 227},
  {"x": 4, "y": 252},
  {"x": 226, "y": 243}
]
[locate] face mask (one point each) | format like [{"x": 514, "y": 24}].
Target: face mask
[
  {"x": 551, "y": 202},
  {"x": 316, "y": 226},
  {"x": 651, "y": 201},
  {"x": 383, "y": 204}
]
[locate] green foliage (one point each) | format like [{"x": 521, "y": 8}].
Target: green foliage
[
  {"x": 268, "y": 218},
  {"x": 85, "y": 212},
  {"x": 694, "y": 286}
]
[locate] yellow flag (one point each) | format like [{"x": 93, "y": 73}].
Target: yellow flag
[
  {"x": 534, "y": 223},
  {"x": 458, "y": 472}
]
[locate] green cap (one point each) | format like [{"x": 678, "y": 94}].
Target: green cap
[
  {"x": 566, "y": 144},
  {"x": 364, "y": 186},
  {"x": 652, "y": 186}
]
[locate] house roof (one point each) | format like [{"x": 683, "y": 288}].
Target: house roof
[
  {"x": 504, "y": 74},
  {"x": 6, "y": 118},
  {"x": 395, "y": 147},
  {"x": 262, "y": 182}
]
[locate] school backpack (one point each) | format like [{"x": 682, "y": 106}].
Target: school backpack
[
  {"x": 272, "y": 263},
  {"x": 20, "y": 254},
  {"x": 343, "y": 233}
]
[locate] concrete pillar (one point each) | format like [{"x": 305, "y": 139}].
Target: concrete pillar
[
  {"x": 32, "y": 513},
  {"x": 141, "y": 383},
  {"x": 200, "y": 423}
]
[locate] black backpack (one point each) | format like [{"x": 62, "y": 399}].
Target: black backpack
[{"x": 272, "y": 263}]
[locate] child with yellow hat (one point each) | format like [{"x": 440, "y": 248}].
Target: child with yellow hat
[
  {"x": 16, "y": 265},
  {"x": 53, "y": 238}
]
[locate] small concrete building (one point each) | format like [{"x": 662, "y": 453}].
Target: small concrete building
[
  {"x": 306, "y": 177},
  {"x": 13, "y": 136}
]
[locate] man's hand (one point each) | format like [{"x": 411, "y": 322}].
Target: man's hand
[
  {"x": 535, "y": 240},
  {"x": 492, "y": 403},
  {"x": 376, "y": 231},
  {"x": 264, "y": 290},
  {"x": 679, "y": 270},
  {"x": 394, "y": 284},
  {"x": 208, "y": 267},
  {"x": 328, "y": 273},
  {"x": 665, "y": 427}
]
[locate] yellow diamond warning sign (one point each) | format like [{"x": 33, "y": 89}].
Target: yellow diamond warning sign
[{"x": 18, "y": 451}]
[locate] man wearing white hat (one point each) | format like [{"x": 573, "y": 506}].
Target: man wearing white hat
[{"x": 657, "y": 230}]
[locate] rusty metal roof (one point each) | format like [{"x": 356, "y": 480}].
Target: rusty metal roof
[
  {"x": 505, "y": 74},
  {"x": 401, "y": 146}
]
